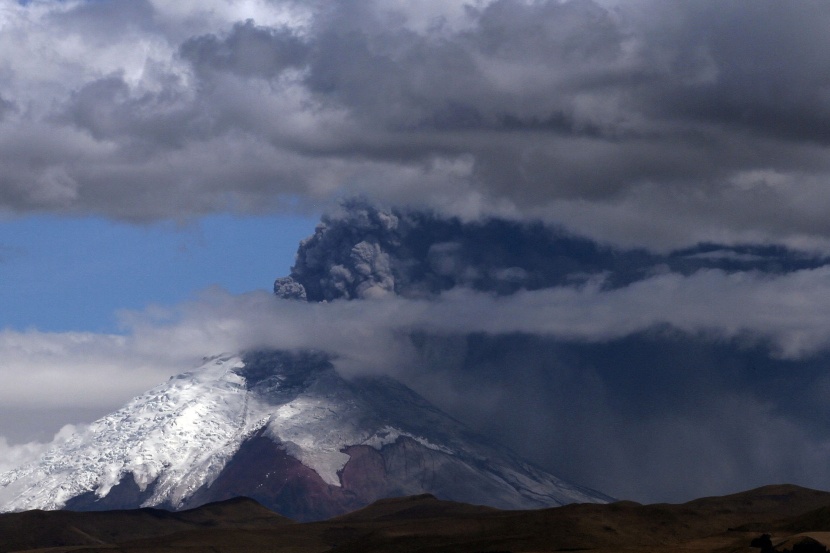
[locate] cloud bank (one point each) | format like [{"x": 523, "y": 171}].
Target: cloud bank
[{"x": 641, "y": 122}]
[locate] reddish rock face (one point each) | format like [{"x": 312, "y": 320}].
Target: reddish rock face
[
  {"x": 365, "y": 473},
  {"x": 263, "y": 471}
]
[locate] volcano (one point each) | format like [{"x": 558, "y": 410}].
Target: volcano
[{"x": 286, "y": 429}]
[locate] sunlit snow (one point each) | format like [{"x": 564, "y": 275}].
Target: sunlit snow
[{"x": 181, "y": 434}]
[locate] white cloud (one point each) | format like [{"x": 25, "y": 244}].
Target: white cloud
[
  {"x": 73, "y": 369},
  {"x": 15, "y": 455},
  {"x": 792, "y": 311},
  {"x": 86, "y": 369}
]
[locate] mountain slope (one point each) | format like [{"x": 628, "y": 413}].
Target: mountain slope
[{"x": 287, "y": 430}]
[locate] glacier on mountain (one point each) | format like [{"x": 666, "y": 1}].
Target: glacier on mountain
[{"x": 178, "y": 437}]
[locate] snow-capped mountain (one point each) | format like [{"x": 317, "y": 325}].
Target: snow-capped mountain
[{"x": 286, "y": 429}]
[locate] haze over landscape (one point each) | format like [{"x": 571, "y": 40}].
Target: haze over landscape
[{"x": 594, "y": 231}]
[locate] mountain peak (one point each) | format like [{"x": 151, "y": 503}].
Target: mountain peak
[{"x": 287, "y": 430}]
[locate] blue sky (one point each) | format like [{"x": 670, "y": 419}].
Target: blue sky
[{"x": 61, "y": 274}]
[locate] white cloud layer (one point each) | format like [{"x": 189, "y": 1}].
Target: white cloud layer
[
  {"x": 13, "y": 456},
  {"x": 85, "y": 369}
]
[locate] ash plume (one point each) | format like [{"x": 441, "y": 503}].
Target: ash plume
[{"x": 362, "y": 251}]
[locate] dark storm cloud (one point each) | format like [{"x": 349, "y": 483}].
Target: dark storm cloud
[
  {"x": 247, "y": 51},
  {"x": 98, "y": 20},
  {"x": 6, "y": 107},
  {"x": 571, "y": 100},
  {"x": 639, "y": 122},
  {"x": 105, "y": 109},
  {"x": 771, "y": 77}
]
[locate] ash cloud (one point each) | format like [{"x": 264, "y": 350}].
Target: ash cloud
[{"x": 362, "y": 251}]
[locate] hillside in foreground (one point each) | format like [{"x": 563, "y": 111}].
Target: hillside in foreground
[{"x": 792, "y": 516}]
